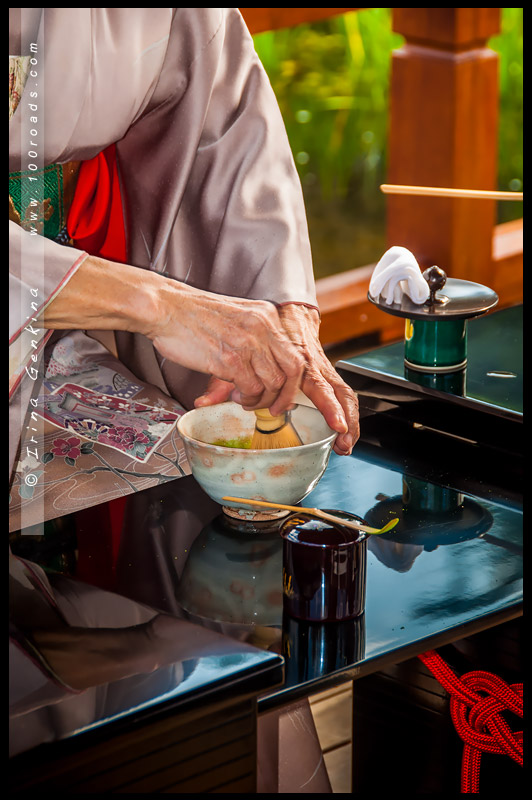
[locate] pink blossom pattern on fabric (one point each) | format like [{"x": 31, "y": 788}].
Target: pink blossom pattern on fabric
[
  {"x": 69, "y": 448},
  {"x": 132, "y": 427}
]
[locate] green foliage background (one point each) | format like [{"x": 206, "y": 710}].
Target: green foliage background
[{"x": 331, "y": 79}]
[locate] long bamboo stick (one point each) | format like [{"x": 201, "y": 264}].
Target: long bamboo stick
[
  {"x": 437, "y": 191},
  {"x": 316, "y": 512}
]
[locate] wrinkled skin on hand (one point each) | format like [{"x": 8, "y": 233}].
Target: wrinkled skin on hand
[
  {"x": 320, "y": 382},
  {"x": 239, "y": 341}
]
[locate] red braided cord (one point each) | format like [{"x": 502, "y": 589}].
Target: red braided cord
[{"x": 476, "y": 716}]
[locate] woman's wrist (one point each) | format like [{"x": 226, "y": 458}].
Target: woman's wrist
[{"x": 104, "y": 295}]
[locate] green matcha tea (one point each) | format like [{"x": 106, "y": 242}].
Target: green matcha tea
[{"x": 242, "y": 442}]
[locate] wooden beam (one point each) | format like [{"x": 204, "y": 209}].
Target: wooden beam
[
  {"x": 259, "y": 20},
  {"x": 508, "y": 262},
  {"x": 508, "y": 241},
  {"x": 448, "y": 28}
]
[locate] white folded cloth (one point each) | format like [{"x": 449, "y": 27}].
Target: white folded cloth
[{"x": 398, "y": 273}]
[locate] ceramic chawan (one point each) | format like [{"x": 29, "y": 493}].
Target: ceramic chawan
[{"x": 284, "y": 475}]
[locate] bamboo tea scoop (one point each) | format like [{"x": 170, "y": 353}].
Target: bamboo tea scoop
[
  {"x": 439, "y": 191},
  {"x": 316, "y": 512}
]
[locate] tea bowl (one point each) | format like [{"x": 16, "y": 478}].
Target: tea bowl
[{"x": 284, "y": 475}]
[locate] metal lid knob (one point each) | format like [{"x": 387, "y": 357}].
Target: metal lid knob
[{"x": 436, "y": 279}]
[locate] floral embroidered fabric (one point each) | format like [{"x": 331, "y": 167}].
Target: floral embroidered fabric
[{"x": 95, "y": 433}]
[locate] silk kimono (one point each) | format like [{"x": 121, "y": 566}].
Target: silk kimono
[{"x": 209, "y": 195}]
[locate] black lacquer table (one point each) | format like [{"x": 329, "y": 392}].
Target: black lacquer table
[{"x": 445, "y": 457}]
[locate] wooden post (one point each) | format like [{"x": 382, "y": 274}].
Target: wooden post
[{"x": 443, "y": 132}]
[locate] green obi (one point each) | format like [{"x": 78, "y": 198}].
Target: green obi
[{"x": 43, "y": 204}]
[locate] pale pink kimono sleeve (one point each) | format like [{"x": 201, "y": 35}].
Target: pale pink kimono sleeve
[
  {"x": 212, "y": 194},
  {"x": 38, "y": 269}
]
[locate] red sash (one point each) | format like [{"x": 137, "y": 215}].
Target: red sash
[{"x": 95, "y": 220}]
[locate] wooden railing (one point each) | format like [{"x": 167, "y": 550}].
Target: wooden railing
[{"x": 444, "y": 102}]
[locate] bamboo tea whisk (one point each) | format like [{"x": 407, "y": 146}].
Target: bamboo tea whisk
[{"x": 274, "y": 432}]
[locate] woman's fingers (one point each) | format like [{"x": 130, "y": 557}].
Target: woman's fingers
[
  {"x": 260, "y": 355},
  {"x": 338, "y": 404},
  {"x": 235, "y": 365},
  {"x": 217, "y": 391},
  {"x": 281, "y": 383},
  {"x": 286, "y": 377},
  {"x": 349, "y": 402},
  {"x": 281, "y": 362},
  {"x": 264, "y": 365},
  {"x": 236, "y": 340},
  {"x": 321, "y": 383}
]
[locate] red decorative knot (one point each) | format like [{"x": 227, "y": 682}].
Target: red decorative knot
[{"x": 477, "y": 698}]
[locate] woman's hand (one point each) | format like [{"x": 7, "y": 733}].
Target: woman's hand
[
  {"x": 238, "y": 341},
  {"x": 321, "y": 383},
  {"x": 258, "y": 354}
]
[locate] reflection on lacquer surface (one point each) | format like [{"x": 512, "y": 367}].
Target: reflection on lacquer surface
[{"x": 80, "y": 656}]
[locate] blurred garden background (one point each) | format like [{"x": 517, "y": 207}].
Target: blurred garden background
[{"x": 331, "y": 79}]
